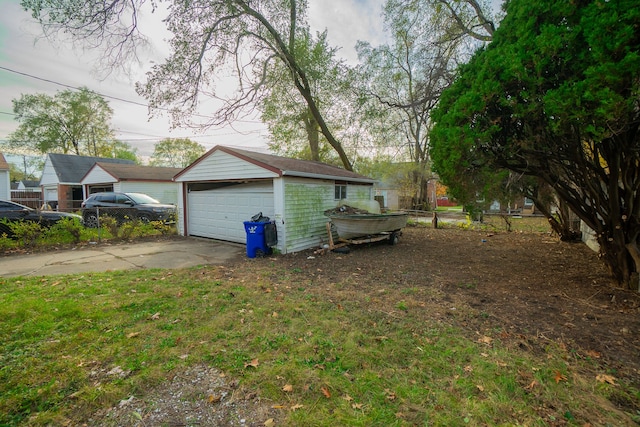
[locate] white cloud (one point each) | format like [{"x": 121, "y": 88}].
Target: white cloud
[{"x": 348, "y": 21}]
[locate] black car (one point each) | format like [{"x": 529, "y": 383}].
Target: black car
[
  {"x": 125, "y": 206},
  {"x": 16, "y": 212}
]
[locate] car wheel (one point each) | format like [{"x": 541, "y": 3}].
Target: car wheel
[
  {"x": 91, "y": 220},
  {"x": 144, "y": 218}
]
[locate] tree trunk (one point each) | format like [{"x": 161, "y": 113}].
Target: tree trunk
[{"x": 311, "y": 126}]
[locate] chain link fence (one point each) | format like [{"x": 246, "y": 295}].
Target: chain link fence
[{"x": 96, "y": 217}]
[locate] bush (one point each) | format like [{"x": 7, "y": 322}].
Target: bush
[
  {"x": 28, "y": 232},
  {"x": 66, "y": 230},
  {"x": 6, "y": 243}
]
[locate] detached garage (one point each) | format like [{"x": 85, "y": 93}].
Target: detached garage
[{"x": 228, "y": 186}]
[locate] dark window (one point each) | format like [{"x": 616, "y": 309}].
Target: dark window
[
  {"x": 121, "y": 199},
  {"x": 106, "y": 198},
  {"x": 340, "y": 191}
]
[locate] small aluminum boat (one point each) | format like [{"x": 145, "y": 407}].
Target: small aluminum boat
[{"x": 350, "y": 226}]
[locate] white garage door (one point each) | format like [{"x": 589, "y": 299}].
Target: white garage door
[{"x": 220, "y": 213}]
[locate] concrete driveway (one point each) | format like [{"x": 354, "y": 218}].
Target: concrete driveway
[{"x": 174, "y": 253}]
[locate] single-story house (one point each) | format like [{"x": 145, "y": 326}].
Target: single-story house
[
  {"x": 157, "y": 182},
  {"x": 61, "y": 176},
  {"x": 26, "y": 185},
  {"x": 5, "y": 180},
  {"x": 227, "y": 186}
]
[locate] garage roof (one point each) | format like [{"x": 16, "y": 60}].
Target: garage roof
[
  {"x": 132, "y": 172},
  {"x": 284, "y": 166}
]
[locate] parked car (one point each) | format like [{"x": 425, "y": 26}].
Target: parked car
[
  {"x": 125, "y": 206},
  {"x": 11, "y": 211}
]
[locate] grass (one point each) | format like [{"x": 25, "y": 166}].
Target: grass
[
  {"x": 362, "y": 361},
  {"x": 490, "y": 222}
]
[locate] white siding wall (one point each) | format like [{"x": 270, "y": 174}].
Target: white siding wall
[
  {"x": 165, "y": 192},
  {"x": 49, "y": 176},
  {"x": 97, "y": 175},
  {"x": 305, "y": 201},
  {"x": 5, "y": 185},
  {"x": 222, "y": 166}
]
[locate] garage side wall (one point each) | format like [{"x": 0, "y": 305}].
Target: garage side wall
[
  {"x": 305, "y": 201},
  {"x": 165, "y": 192}
]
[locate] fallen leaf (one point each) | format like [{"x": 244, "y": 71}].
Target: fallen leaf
[
  {"x": 287, "y": 388},
  {"x": 214, "y": 398},
  {"x": 254, "y": 364},
  {"x": 133, "y": 334},
  {"x": 347, "y": 398},
  {"x": 296, "y": 407},
  {"x": 277, "y": 407},
  {"x": 485, "y": 340},
  {"x": 468, "y": 369},
  {"x": 479, "y": 387},
  {"x": 531, "y": 385},
  {"x": 357, "y": 405},
  {"x": 604, "y": 378},
  {"x": 326, "y": 392},
  {"x": 269, "y": 423},
  {"x": 559, "y": 377},
  {"x": 593, "y": 353}
]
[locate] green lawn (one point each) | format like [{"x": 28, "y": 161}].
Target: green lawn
[{"x": 319, "y": 361}]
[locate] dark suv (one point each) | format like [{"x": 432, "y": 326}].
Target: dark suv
[{"x": 125, "y": 206}]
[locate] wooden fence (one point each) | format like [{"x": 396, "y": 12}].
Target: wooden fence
[{"x": 33, "y": 199}]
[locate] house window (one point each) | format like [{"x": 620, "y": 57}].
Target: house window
[{"x": 341, "y": 190}]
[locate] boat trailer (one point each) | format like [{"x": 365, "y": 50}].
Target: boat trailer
[{"x": 392, "y": 236}]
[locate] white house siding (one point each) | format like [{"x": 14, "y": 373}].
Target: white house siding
[
  {"x": 165, "y": 192},
  {"x": 223, "y": 166},
  {"x": 49, "y": 176},
  {"x": 305, "y": 201},
  {"x": 589, "y": 237},
  {"x": 5, "y": 185},
  {"x": 97, "y": 175}
]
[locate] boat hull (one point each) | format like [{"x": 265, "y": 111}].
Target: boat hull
[{"x": 359, "y": 225}]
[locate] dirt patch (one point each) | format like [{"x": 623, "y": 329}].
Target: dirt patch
[
  {"x": 527, "y": 290},
  {"x": 527, "y": 286}
]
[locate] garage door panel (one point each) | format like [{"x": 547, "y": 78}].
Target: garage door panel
[{"x": 220, "y": 213}]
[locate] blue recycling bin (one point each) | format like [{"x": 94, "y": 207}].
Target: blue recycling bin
[{"x": 256, "y": 242}]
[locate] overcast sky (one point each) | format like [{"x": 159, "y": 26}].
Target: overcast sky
[{"x": 29, "y": 65}]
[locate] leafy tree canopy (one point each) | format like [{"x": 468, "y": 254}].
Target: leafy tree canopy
[
  {"x": 68, "y": 122},
  {"x": 555, "y": 95},
  {"x": 176, "y": 152}
]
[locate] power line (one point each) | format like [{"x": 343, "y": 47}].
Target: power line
[
  {"x": 139, "y": 104},
  {"x": 74, "y": 87}
]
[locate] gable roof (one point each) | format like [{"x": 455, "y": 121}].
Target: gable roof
[
  {"x": 31, "y": 183},
  {"x": 285, "y": 166},
  {"x": 3, "y": 163},
  {"x": 133, "y": 172},
  {"x": 71, "y": 168}
]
